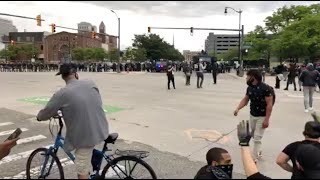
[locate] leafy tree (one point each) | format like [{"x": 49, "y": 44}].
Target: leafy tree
[
  {"x": 78, "y": 54},
  {"x": 156, "y": 48},
  {"x": 99, "y": 54},
  {"x": 113, "y": 54}
]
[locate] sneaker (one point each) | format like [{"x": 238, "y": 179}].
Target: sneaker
[
  {"x": 306, "y": 111},
  {"x": 286, "y": 89},
  {"x": 311, "y": 109}
]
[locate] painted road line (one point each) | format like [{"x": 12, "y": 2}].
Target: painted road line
[
  {"x": 35, "y": 171},
  {"x": 16, "y": 157},
  {"x": 4, "y": 133},
  {"x": 6, "y": 124},
  {"x": 31, "y": 139}
]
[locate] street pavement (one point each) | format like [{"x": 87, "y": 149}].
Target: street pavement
[{"x": 177, "y": 126}]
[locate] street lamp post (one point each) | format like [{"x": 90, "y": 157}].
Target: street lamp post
[
  {"x": 118, "y": 68},
  {"x": 240, "y": 42}
]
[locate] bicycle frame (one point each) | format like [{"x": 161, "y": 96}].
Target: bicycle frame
[{"x": 59, "y": 142}]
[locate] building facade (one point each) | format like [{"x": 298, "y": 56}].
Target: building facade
[
  {"x": 85, "y": 26},
  {"x": 221, "y": 43},
  {"x": 6, "y": 26},
  {"x": 187, "y": 54},
  {"x": 59, "y": 46},
  {"x": 29, "y": 38}
]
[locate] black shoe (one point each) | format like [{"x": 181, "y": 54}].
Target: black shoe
[
  {"x": 300, "y": 90},
  {"x": 286, "y": 89},
  {"x": 295, "y": 89}
]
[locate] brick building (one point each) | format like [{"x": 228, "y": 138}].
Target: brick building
[
  {"x": 31, "y": 38},
  {"x": 109, "y": 42},
  {"x": 58, "y": 47}
]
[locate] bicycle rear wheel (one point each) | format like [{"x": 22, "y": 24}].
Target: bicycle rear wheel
[
  {"x": 35, "y": 164},
  {"x": 128, "y": 167}
]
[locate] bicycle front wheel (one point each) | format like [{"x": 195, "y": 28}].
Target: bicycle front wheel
[
  {"x": 128, "y": 167},
  {"x": 38, "y": 169}
]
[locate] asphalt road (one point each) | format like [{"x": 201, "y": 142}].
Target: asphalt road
[{"x": 176, "y": 126}]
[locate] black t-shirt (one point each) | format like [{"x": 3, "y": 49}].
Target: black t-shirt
[
  {"x": 290, "y": 151},
  {"x": 257, "y": 95},
  {"x": 258, "y": 176}
]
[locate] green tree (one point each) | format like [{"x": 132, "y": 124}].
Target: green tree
[
  {"x": 113, "y": 54},
  {"x": 230, "y": 54},
  {"x": 78, "y": 54},
  {"x": 99, "y": 54},
  {"x": 156, "y": 48},
  {"x": 300, "y": 39},
  {"x": 139, "y": 54}
]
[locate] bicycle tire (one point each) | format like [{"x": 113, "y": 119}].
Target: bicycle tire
[
  {"x": 128, "y": 158},
  {"x": 54, "y": 158}
]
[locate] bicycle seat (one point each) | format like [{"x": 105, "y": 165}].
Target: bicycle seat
[{"x": 112, "y": 138}]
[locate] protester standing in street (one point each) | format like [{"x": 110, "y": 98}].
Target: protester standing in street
[
  {"x": 200, "y": 67},
  {"x": 188, "y": 72},
  {"x": 170, "y": 75},
  {"x": 309, "y": 79},
  {"x": 279, "y": 75},
  {"x": 214, "y": 70},
  {"x": 261, "y": 97},
  {"x": 292, "y": 76}
]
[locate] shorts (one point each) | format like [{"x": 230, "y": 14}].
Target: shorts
[{"x": 83, "y": 160}]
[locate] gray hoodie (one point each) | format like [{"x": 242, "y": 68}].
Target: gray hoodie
[{"x": 309, "y": 76}]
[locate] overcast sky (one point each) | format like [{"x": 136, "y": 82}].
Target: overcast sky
[{"x": 137, "y": 16}]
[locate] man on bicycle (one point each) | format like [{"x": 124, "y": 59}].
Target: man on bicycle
[{"x": 81, "y": 105}]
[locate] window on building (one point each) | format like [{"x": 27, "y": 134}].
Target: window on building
[
  {"x": 233, "y": 45},
  {"x": 19, "y": 39},
  {"x": 32, "y": 39},
  {"x": 28, "y": 39}
]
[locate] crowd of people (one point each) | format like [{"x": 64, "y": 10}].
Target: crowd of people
[{"x": 308, "y": 79}]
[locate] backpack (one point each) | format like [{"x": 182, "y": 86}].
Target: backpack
[{"x": 272, "y": 92}]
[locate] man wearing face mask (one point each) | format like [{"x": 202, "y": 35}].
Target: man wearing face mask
[
  {"x": 219, "y": 165},
  {"x": 81, "y": 105},
  {"x": 261, "y": 97}
]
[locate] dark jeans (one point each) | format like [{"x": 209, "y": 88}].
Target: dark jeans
[
  {"x": 188, "y": 80},
  {"x": 277, "y": 83},
  {"x": 171, "y": 79},
  {"x": 214, "y": 75},
  {"x": 199, "y": 76},
  {"x": 291, "y": 80}
]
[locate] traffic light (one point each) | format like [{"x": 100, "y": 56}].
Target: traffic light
[
  {"x": 93, "y": 35},
  {"x": 191, "y": 31},
  {"x": 149, "y": 29},
  {"x": 53, "y": 26},
  {"x": 38, "y": 20}
]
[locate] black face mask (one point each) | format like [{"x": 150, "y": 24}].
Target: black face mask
[
  {"x": 250, "y": 81},
  {"x": 227, "y": 169},
  {"x": 222, "y": 171}
]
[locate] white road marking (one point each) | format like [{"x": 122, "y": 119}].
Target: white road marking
[
  {"x": 4, "y": 133},
  {"x": 16, "y": 157},
  {"x": 35, "y": 171},
  {"x": 31, "y": 139},
  {"x": 6, "y": 124}
]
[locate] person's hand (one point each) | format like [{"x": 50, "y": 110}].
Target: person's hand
[
  {"x": 244, "y": 134},
  {"x": 6, "y": 147},
  {"x": 265, "y": 124},
  {"x": 235, "y": 113}
]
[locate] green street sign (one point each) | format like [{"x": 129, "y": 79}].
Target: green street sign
[{"x": 45, "y": 100}]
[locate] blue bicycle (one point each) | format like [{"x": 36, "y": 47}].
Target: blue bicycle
[{"x": 121, "y": 165}]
